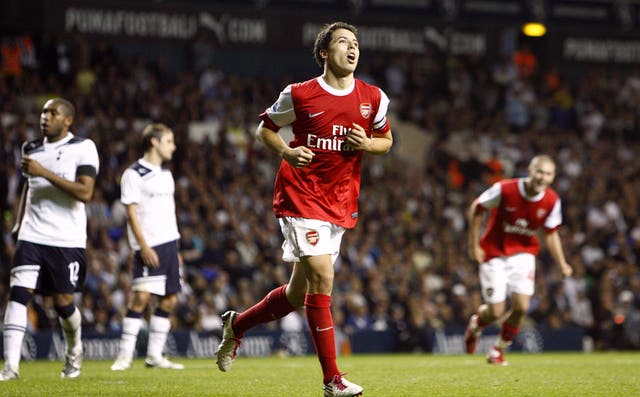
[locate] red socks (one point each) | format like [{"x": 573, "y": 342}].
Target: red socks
[
  {"x": 318, "y": 309},
  {"x": 272, "y": 307},
  {"x": 321, "y": 327},
  {"x": 508, "y": 332},
  {"x": 481, "y": 324}
]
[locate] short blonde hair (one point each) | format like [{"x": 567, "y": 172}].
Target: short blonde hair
[{"x": 542, "y": 158}]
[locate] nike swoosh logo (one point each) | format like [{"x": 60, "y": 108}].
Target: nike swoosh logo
[
  {"x": 312, "y": 115},
  {"x": 318, "y": 329},
  {"x": 510, "y": 209}
]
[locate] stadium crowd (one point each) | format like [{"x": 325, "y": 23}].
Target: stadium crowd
[{"x": 405, "y": 267}]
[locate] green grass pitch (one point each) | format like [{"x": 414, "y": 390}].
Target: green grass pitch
[{"x": 546, "y": 374}]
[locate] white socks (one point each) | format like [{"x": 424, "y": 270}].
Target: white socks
[
  {"x": 72, "y": 330},
  {"x": 158, "y": 329},
  {"x": 130, "y": 329},
  {"x": 15, "y": 326}
]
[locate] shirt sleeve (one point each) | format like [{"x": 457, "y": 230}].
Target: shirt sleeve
[
  {"x": 281, "y": 113},
  {"x": 380, "y": 121},
  {"x": 130, "y": 187},
  {"x": 89, "y": 157},
  {"x": 555, "y": 217},
  {"x": 491, "y": 197}
]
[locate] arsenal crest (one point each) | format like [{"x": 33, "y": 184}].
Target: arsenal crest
[
  {"x": 365, "y": 110},
  {"x": 312, "y": 237},
  {"x": 541, "y": 213}
]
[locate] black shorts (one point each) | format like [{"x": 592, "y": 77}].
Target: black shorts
[
  {"x": 47, "y": 269},
  {"x": 165, "y": 279}
]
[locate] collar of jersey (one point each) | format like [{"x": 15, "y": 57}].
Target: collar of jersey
[
  {"x": 61, "y": 142},
  {"x": 148, "y": 164},
  {"x": 523, "y": 192},
  {"x": 334, "y": 91}
]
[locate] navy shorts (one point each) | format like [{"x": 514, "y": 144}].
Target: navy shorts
[
  {"x": 165, "y": 279},
  {"x": 47, "y": 269}
]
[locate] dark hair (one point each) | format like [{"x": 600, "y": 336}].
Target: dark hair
[
  {"x": 324, "y": 38},
  {"x": 154, "y": 130},
  {"x": 69, "y": 109}
]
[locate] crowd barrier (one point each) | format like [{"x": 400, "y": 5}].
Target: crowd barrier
[{"x": 50, "y": 345}]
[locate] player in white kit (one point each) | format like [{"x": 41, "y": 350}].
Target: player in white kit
[
  {"x": 148, "y": 195},
  {"x": 51, "y": 224}
]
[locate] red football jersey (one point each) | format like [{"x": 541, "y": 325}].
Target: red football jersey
[
  {"x": 320, "y": 118},
  {"x": 515, "y": 218}
]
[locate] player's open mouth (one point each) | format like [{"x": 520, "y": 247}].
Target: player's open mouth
[{"x": 351, "y": 57}]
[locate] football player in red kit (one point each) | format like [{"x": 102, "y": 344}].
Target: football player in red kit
[
  {"x": 507, "y": 250},
  {"x": 335, "y": 119}
]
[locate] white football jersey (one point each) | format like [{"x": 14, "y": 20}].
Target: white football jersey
[
  {"x": 53, "y": 217},
  {"x": 152, "y": 189}
]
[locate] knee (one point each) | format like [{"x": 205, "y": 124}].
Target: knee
[
  {"x": 519, "y": 311},
  {"x": 63, "y": 299},
  {"x": 168, "y": 303},
  {"x": 321, "y": 283},
  {"x": 493, "y": 312},
  {"x": 65, "y": 311},
  {"x": 296, "y": 297},
  {"x": 140, "y": 301}
]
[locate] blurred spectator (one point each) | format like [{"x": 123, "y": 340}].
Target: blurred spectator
[
  {"x": 525, "y": 61},
  {"x": 208, "y": 315},
  {"x": 202, "y": 50},
  {"x": 358, "y": 318},
  {"x": 626, "y": 317},
  {"x": 294, "y": 321},
  {"x": 10, "y": 50},
  {"x": 581, "y": 313}
]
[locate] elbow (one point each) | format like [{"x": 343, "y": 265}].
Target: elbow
[
  {"x": 260, "y": 132},
  {"x": 380, "y": 151},
  {"x": 381, "y": 148},
  {"x": 260, "y": 135},
  {"x": 85, "y": 197},
  {"x": 472, "y": 211},
  {"x": 387, "y": 149}
]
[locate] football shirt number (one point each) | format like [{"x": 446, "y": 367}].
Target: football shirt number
[{"x": 74, "y": 270}]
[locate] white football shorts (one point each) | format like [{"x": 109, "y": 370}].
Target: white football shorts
[
  {"x": 309, "y": 237},
  {"x": 507, "y": 274}
]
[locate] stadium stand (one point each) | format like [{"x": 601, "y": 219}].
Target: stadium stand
[{"x": 404, "y": 269}]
